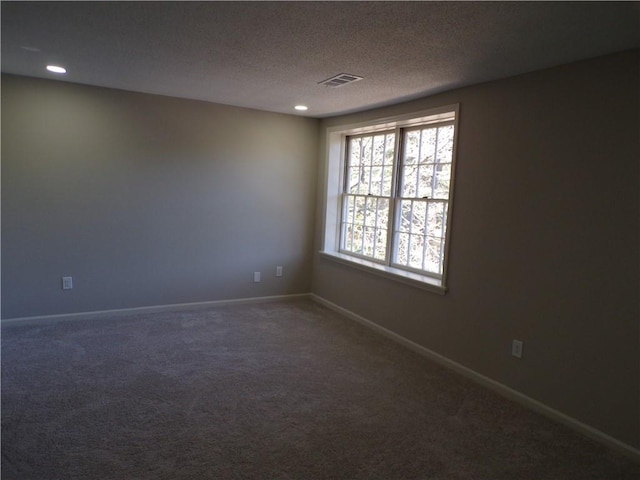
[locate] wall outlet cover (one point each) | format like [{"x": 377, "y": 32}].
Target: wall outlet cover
[{"x": 516, "y": 348}]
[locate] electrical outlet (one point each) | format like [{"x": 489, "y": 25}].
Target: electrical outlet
[
  {"x": 256, "y": 277},
  {"x": 67, "y": 283},
  {"x": 516, "y": 348},
  {"x": 278, "y": 271}
]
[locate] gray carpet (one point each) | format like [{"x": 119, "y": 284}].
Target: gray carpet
[{"x": 285, "y": 390}]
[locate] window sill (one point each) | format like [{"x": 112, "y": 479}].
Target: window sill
[{"x": 409, "y": 278}]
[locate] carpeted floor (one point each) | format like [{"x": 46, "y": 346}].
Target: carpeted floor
[{"x": 286, "y": 390}]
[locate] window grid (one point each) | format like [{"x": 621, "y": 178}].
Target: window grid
[
  {"x": 368, "y": 187},
  {"x": 400, "y": 178},
  {"x": 374, "y": 211}
]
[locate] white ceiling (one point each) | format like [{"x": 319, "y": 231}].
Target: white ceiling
[{"x": 271, "y": 55}]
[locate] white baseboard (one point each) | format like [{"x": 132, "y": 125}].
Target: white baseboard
[
  {"x": 43, "y": 319},
  {"x": 494, "y": 385}
]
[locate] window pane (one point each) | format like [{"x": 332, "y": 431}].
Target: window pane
[
  {"x": 383, "y": 213},
  {"x": 359, "y": 210},
  {"x": 421, "y": 223},
  {"x": 353, "y": 180},
  {"x": 433, "y": 176},
  {"x": 387, "y": 178},
  {"x": 357, "y": 239},
  {"x": 376, "y": 180},
  {"x": 425, "y": 182},
  {"x": 366, "y": 150},
  {"x": 363, "y": 187},
  {"x": 358, "y": 180},
  {"x": 402, "y": 248},
  {"x": 349, "y": 209},
  {"x": 436, "y": 219},
  {"x": 369, "y": 239},
  {"x": 347, "y": 237},
  {"x": 442, "y": 181},
  {"x": 381, "y": 244},
  {"x": 445, "y": 144},
  {"x": 371, "y": 209},
  {"x": 370, "y": 169},
  {"x": 354, "y": 150},
  {"x": 390, "y": 149},
  {"x": 404, "y": 222},
  {"x": 365, "y": 223},
  {"x": 378, "y": 150},
  {"x": 412, "y": 147},
  {"x": 433, "y": 255},
  {"x": 428, "y": 145},
  {"x": 419, "y": 217},
  {"x": 409, "y": 180},
  {"x": 416, "y": 250}
]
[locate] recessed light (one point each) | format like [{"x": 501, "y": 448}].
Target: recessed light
[
  {"x": 301, "y": 108},
  {"x": 56, "y": 69}
]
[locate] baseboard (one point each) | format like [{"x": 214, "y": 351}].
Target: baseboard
[
  {"x": 528, "y": 402},
  {"x": 38, "y": 320}
]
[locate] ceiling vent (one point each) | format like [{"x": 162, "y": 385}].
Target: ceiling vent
[{"x": 340, "y": 80}]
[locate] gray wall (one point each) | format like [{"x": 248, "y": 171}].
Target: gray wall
[
  {"x": 544, "y": 247},
  {"x": 149, "y": 200}
]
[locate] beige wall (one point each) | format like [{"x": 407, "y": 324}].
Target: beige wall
[
  {"x": 149, "y": 200},
  {"x": 544, "y": 242}
]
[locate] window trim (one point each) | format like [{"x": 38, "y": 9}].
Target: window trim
[{"x": 334, "y": 176}]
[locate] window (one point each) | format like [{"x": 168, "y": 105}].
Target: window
[
  {"x": 367, "y": 196},
  {"x": 393, "y": 192}
]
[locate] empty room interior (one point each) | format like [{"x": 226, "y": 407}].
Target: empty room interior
[{"x": 297, "y": 240}]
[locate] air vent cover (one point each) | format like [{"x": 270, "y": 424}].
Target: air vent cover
[{"x": 340, "y": 80}]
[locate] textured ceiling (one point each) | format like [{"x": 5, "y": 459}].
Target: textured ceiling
[{"x": 271, "y": 55}]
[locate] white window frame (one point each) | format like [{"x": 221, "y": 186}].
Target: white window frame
[{"x": 334, "y": 174}]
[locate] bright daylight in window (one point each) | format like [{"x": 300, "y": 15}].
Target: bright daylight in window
[{"x": 394, "y": 196}]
